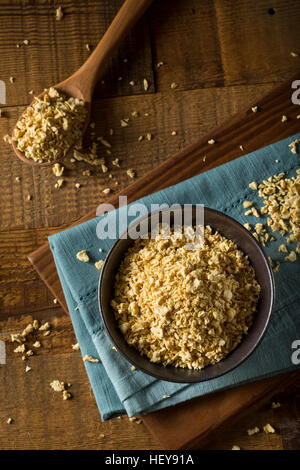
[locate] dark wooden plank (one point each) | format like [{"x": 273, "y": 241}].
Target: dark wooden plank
[
  {"x": 290, "y": 417},
  {"x": 228, "y": 43},
  {"x": 193, "y": 424},
  {"x": 41, "y": 418}
]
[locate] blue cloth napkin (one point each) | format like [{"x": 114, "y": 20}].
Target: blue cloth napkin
[{"x": 117, "y": 388}]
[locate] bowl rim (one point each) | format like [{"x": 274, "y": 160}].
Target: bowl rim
[{"x": 218, "y": 374}]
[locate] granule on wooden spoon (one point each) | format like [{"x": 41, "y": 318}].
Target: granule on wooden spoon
[
  {"x": 50, "y": 127},
  {"x": 186, "y": 308}
]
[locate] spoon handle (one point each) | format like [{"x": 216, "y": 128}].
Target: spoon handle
[{"x": 89, "y": 73}]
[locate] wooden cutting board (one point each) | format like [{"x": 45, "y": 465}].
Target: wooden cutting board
[{"x": 190, "y": 425}]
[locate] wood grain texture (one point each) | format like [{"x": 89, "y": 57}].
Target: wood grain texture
[
  {"x": 58, "y": 48},
  {"x": 179, "y": 111},
  {"x": 223, "y": 57},
  {"x": 229, "y": 43}
]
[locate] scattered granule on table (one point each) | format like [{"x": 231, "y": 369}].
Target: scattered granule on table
[
  {"x": 247, "y": 204},
  {"x": 268, "y": 429},
  {"x": 18, "y": 179},
  {"x": 55, "y": 301},
  {"x": 102, "y": 436},
  {"x": 9, "y": 420},
  {"x": 133, "y": 368},
  {"x": 88, "y": 47},
  {"x": 29, "y": 353},
  {"x": 166, "y": 396},
  {"x": 254, "y": 109},
  {"x": 173, "y": 133},
  {"x": 45, "y": 326},
  {"x": 133, "y": 418},
  {"x": 77, "y": 185},
  {"x": 16, "y": 338},
  {"x": 116, "y": 162},
  {"x": 59, "y": 14},
  {"x": 7, "y": 139},
  {"x": 124, "y": 122},
  {"x": 284, "y": 118},
  {"x": 253, "y": 431},
  {"x": 47, "y": 333},
  {"x": 104, "y": 142},
  {"x": 26, "y": 42},
  {"x": 58, "y": 386},
  {"x": 149, "y": 136},
  {"x": 135, "y": 114},
  {"x": 106, "y": 190},
  {"x": 35, "y": 324},
  {"x": 275, "y": 405},
  {"x": 131, "y": 173},
  {"x": 146, "y": 84},
  {"x": 83, "y": 256},
  {"x": 59, "y": 183},
  {"x": 20, "y": 349},
  {"x": 89, "y": 157},
  {"x": 211, "y": 141},
  {"x": 185, "y": 307},
  {"x": 90, "y": 359},
  {"x": 104, "y": 168},
  {"x": 66, "y": 395},
  {"x": 11, "y": 79},
  {"x": 236, "y": 448},
  {"x": 99, "y": 264},
  {"x": 75, "y": 347},
  {"x": 27, "y": 330},
  {"x": 174, "y": 85},
  {"x": 294, "y": 54},
  {"x": 37, "y": 344},
  {"x": 50, "y": 127},
  {"x": 58, "y": 169},
  {"x": 28, "y": 369}
]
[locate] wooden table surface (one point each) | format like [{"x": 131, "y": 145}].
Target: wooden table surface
[{"x": 222, "y": 55}]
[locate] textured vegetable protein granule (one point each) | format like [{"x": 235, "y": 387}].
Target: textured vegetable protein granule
[
  {"x": 182, "y": 307},
  {"x": 50, "y": 127}
]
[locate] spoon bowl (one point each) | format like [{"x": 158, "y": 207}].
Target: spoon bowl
[{"x": 67, "y": 88}]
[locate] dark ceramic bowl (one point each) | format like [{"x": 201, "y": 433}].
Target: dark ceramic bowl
[{"x": 232, "y": 230}]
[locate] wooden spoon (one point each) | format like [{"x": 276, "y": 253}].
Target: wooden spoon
[{"x": 82, "y": 83}]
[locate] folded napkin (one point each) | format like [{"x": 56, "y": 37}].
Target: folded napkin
[{"x": 117, "y": 388}]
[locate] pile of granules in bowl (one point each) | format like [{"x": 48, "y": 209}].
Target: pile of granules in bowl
[
  {"x": 182, "y": 307},
  {"x": 50, "y": 127}
]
